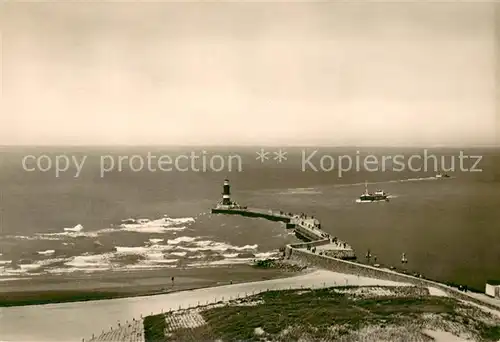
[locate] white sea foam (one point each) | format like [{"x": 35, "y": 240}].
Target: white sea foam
[
  {"x": 155, "y": 253},
  {"x": 29, "y": 266},
  {"x": 66, "y": 270},
  {"x": 153, "y": 256},
  {"x": 162, "y": 225},
  {"x": 131, "y": 250},
  {"x": 47, "y": 252},
  {"x": 230, "y": 261},
  {"x": 39, "y": 265},
  {"x": 207, "y": 245},
  {"x": 230, "y": 255},
  {"x": 181, "y": 220},
  {"x": 360, "y": 201},
  {"x": 265, "y": 255},
  {"x": 149, "y": 229},
  {"x": 77, "y": 228},
  {"x": 59, "y": 236},
  {"x": 88, "y": 263},
  {"x": 180, "y": 239},
  {"x": 74, "y": 232},
  {"x": 34, "y": 237},
  {"x": 151, "y": 251},
  {"x": 96, "y": 261},
  {"x": 147, "y": 266},
  {"x": 12, "y": 279},
  {"x": 159, "y": 261}
]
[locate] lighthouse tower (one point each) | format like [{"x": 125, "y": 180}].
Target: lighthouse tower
[{"x": 226, "y": 193}]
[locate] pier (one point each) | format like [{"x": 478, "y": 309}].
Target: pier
[{"x": 307, "y": 228}]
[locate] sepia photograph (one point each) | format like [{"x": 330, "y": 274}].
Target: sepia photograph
[{"x": 247, "y": 170}]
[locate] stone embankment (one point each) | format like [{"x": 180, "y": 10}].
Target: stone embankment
[{"x": 305, "y": 254}]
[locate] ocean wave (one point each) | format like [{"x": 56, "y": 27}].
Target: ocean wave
[
  {"x": 300, "y": 191},
  {"x": 18, "y": 268},
  {"x": 161, "y": 252},
  {"x": 144, "y": 257},
  {"x": 66, "y": 234},
  {"x": 38, "y": 236},
  {"x": 165, "y": 224},
  {"x": 98, "y": 261},
  {"x": 233, "y": 260},
  {"x": 47, "y": 252},
  {"x": 77, "y": 228},
  {"x": 12, "y": 279},
  {"x": 230, "y": 255},
  {"x": 208, "y": 245},
  {"x": 180, "y": 239}
]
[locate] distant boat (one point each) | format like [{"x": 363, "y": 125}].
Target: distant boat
[
  {"x": 377, "y": 196},
  {"x": 442, "y": 175}
]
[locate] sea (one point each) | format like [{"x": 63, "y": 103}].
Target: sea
[{"x": 118, "y": 210}]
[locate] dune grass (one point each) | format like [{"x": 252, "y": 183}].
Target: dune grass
[
  {"x": 154, "y": 328},
  {"x": 315, "y": 312}
]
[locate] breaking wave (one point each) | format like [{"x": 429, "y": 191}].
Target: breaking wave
[
  {"x": 163, "y": 225},
  {"x": 155, "y": 252},
  {"x": 77, "y": 228}
]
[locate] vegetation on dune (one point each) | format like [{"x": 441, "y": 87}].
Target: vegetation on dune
[
  {"x": 332, "y": 314},
  {"x": 154, "y": 328}
]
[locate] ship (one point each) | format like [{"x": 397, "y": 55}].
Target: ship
[
  {"x": 442, "y": 175},
  {"x": 377, "y": 196}
]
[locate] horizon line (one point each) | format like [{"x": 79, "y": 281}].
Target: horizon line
[{"x": 245, "y": 145}]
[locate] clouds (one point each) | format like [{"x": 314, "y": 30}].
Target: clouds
[{"x": 228, "y": 73}]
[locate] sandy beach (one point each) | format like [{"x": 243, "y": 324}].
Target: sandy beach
[{"x": 58, "y": 289}]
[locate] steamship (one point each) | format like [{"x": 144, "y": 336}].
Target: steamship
[{"x": 377, "y": 196}]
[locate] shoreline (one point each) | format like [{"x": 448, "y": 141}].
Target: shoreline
[{"x": 156, "y": 282}]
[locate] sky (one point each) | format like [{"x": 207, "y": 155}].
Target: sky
[{"x": 249, "y": 74}]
